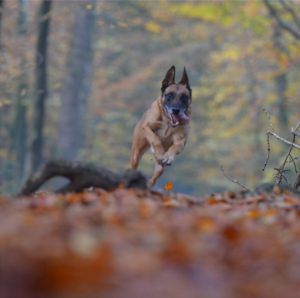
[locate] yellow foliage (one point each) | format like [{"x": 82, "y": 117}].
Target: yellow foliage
[
  {"x": 230, "y": 53},
  {"x": 153, "y": 27},
  {"x": 209, "y": 12}
]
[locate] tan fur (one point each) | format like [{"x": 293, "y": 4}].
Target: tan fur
[{"x": 154, "y": 130}]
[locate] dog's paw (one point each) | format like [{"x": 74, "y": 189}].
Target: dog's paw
[
  {"x": 159, "y": 158},
  {"x": 159, "y": 155},
  {"x": 167, "y": 160}
]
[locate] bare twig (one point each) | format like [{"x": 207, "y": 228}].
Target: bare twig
[
  {"x": 268, "y": 115},
  {"x": 268, "y": 153},
  {"x": 293, "y": 161},
  {"x": 297, "y": 182},
  {"x": 297, "y": 134},
  {"x": 282, "y": 167},
  {"x": 295, "y": 130},
  {"x": 280, "y": 175},
  {"x": 283, "y": 140},
  {"x": 281, "y": 170},
  {"x": 233, "y": 180}
]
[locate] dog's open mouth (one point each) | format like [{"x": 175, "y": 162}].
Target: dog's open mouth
[{"x": 178, "y": 118}]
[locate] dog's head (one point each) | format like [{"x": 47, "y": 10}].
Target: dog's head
[{"x": 176, "y": 97}]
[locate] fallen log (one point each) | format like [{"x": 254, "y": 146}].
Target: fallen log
[{"x": 81, "y": 176}]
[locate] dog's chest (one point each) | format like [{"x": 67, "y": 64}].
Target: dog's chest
[{"x": 165, "y": 133}]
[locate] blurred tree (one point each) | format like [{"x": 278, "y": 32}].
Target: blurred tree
[
  {"x": 1, "y": 16},
  {"x": 285, "y": 15},
  {"x": 77, "y": 82},
  {"x": 280, "y": 79},
  {"x": 258, "y": 148},
  {"x": 41, "y": 83},
  {"x": 19, "y": 130}
]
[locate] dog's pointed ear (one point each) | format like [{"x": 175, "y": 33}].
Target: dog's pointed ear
[
  {"x": 185, "y": 80},
  {"x": 169, "y": 78}
]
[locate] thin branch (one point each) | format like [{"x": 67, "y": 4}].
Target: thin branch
[
  {"x": 297, "y": 182},
  {"x": 295, "y": 130},
  {"x": 281, "y": 170},
  {"x": 275, "y": 15},
  {"x": 268, "y": 153},
  {"x": 280, "y": 176},
  {"x": 297, "y": 134},
  {"x": 233, "y": 180},
  {"x": 293, "y": 161},
  {"x": 283, "y": 140}
]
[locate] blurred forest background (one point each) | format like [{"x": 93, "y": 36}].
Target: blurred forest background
[{"x": 75, "y": 77}]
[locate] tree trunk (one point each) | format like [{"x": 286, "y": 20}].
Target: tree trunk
[
  {"x": 41, "y": 83},
  {"x": 1, "y": 17},
  {"x": 281, "y": 82},
  {"x": 77, "y": 83},
  {"x": 257, "y": 142},
  {"x": 20, "y": 122}
]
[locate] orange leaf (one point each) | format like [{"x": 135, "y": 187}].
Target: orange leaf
[
  {"x": 168, "y": 186},
  {"x": 214, "y": 201},
  {"x": 205, "y": 224},
  {"x": 231, "y": 234},
  {"x": 254, "y": 213}
]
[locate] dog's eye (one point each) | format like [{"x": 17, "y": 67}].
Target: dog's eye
[
  {"x": 185, "y": 99},
  {"x": 169, "y": 96}
]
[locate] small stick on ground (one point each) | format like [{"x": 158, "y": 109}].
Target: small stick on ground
[{"x": 234, "y": 180}]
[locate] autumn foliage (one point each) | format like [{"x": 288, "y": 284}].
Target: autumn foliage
[
  {"x": 141, "y": 243},
  {"x": 241, "y": 65}
]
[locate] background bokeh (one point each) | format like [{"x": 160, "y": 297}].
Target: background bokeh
[{"x": 243, "y": 68}]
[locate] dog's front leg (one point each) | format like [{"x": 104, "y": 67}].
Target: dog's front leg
[
  {"x": 154, "y": 142},
  {"x": 174, "y": 150},
  {"x": 158, "y": 171}
]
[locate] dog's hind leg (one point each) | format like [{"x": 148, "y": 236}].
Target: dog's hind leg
[{"x": 158, "y": 171}]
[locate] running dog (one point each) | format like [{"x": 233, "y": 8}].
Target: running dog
[{"x": 164, "y": 126}]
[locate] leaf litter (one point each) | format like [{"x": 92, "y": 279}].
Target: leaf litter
[{"x": 141, "y": 243}]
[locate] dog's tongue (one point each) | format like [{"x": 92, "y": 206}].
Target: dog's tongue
[
  {"x": 183, "y": 117},
  {"x": 179, "y": 119},
  {"x": 174, "y": 119}
]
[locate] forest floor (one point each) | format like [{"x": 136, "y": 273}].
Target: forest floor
[{"x": 141, "y": 243}]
